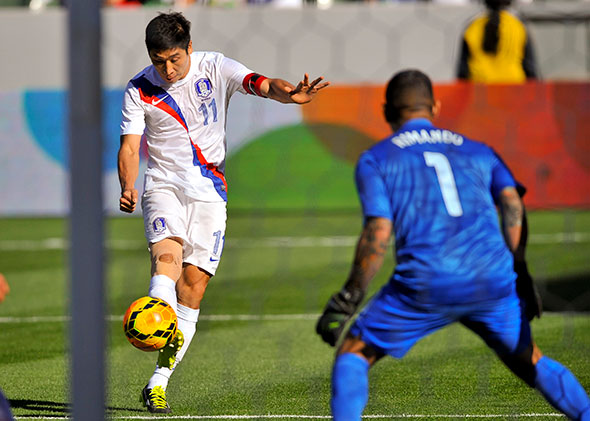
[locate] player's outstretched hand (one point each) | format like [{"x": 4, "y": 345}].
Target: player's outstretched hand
[
  {"x": 128, "y": 200},
  {"x": 305, "y": 91},
  {"x": 526, "y": 290},
  {"x": 339, "y": 310}
]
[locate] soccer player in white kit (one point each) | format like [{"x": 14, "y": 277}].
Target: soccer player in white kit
[{"x": 180, "y": 102}]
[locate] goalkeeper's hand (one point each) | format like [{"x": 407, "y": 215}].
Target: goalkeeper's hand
[
  {"x": 526, "y": 290},
  {"x": 339, "y": 310}
]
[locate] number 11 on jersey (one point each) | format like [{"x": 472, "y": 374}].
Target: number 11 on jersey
[
  {"x": 205, "y": 112},
  {"x": 446, "y": 181}
]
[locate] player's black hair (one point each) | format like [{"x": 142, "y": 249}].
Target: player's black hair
[
  {"x": 167, "y": 31},
  {"x": 491, "y": 35},
  {"x": 408, "y": 89}
]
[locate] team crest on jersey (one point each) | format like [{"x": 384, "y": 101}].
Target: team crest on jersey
[
  {"x": 203, "y": 88},
  {"x": 159, "y": 225}
]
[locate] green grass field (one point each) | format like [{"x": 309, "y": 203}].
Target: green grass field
[{"x": 256, "y": 355}]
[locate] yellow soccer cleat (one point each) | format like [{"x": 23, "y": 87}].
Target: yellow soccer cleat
[
  {"x": 167, "y": 356},
  {"x": 155, "y": 400}
]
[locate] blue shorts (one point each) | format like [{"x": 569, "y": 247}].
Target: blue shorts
[{"x": 392, "y": 324}]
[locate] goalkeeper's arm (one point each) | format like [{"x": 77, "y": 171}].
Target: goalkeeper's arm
[
  {"x": 370, "y": 252},
  {"x": 525, "y": 286},
  {"x": 515, "y": 229}
]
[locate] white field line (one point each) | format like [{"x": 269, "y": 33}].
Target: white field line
[
  {"x": 272, "y": 242},
  {"x": 204, "y": 317},
  {"x": 212, "y": 318},
  {"x": 306, "y": 417}
]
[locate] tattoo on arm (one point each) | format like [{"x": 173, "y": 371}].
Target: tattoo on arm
[
  {"x": 370, "y": 252},
  {"x": 512, "y": 212},
  {"x": 513, "y": 216}
]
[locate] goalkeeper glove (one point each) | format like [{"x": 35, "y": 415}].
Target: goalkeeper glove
[
  {"x": 339, "y": 310},
  {"x": 527, "y": 292}
]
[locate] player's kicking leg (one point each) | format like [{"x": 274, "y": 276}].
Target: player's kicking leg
[
  {"x": 166, "y": 256},
  {"x": 186, "y": 241},
  {"x": 190, "y": 291}
]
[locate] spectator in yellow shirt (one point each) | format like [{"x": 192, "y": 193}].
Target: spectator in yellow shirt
[{"x": 496, "y": 48}]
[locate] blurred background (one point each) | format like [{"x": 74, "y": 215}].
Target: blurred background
[
  {"x": 293, "y": 212},
  {"x": 300, "y": 160}
]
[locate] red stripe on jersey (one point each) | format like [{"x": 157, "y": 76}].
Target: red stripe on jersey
[
  {"x": 162, "y": 105},
  {"x": 211, "y": 167}
]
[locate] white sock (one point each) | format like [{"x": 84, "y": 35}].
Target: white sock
[
  {"x": 164, "y": 288},
  {"x": 160, "y": 378},
  {"x": 187, "y": 324}
]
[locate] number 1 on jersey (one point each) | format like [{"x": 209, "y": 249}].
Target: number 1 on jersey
[{"x": 446, "y": 181}]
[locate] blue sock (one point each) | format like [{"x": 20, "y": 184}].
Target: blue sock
[
  {"x": 350, "y": 387},
  {"x": 562, "y": 390}
]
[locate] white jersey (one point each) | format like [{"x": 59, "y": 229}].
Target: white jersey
[{"x": 184, "y": 124}]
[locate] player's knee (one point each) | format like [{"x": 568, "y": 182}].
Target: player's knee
[
  {"x": 528, "y": 374},
  {"x": 354, "y": 345},
  {"x": 522, "y": 366},
  {"x": 166, "y": 258},
  {"x": 166, "y": 263}
]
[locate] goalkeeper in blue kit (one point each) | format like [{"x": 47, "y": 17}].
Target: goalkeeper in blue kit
[{"x": 439, "y": 192}]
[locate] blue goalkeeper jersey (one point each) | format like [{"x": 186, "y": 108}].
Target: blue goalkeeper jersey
[{"x": 439, "y": 188}]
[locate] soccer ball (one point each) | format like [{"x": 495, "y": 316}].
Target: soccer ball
[{"x": 149, "y": 323}]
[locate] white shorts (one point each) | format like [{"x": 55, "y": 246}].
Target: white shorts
[{"x": 167, "y": 212}]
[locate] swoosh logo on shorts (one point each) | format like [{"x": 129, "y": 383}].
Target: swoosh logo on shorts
[{"x": 213, "y": 260}]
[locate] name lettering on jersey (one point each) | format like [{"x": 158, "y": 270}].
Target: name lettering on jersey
[
  {"x": 204, "y": 88},
  {"x": 414, "y": 137}
]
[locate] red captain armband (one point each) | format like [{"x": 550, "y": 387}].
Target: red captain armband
[{"x": 252, "y": 83}]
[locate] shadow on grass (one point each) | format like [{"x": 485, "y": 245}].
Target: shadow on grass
[
  {"x": 40, "y": 406},
  {"x": 567, "y": 293},
  {"x": 55, "y": 408}
]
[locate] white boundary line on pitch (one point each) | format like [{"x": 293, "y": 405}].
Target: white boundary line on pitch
[
  {"x": 307, "y": 417},
  {"x": 295, "y": 242},
  {"x": 210, "y": 318},
  {"x": 205, "y": 317}
]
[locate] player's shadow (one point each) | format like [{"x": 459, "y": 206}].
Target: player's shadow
[
  {"x": 566, "y": 293},
  {"x": 56, "y": 408},
  {"x": 40, "y": 406}
]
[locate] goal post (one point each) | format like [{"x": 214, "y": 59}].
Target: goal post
[{"x": 87, "y": 330}]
